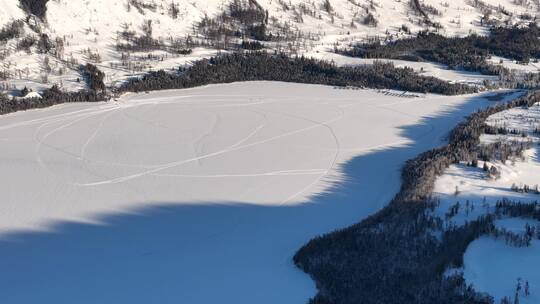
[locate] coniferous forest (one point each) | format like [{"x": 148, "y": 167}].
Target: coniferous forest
[
  {"x": 248, "y": 66},
  {"x": 35, "y": 7},
  {"x": 468, "y": 53},
  {"x": 49, "y": 97},
  {"x": 251, "y": 66}
]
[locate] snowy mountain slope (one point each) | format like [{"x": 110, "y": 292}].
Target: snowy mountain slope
[
  {"x": 90, "y": 31},
  {"x": 9, "y": 11}
]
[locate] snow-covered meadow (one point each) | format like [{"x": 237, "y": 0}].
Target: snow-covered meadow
[
  {"x": 199, "y": 195},
  {"x": 496, "y": 268},
  {"x": 424, "y": 68}
]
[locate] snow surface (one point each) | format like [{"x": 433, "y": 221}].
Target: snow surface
[
  {"x": 495, "y": 268},
  {"x": 531, "y": 67},
  {"x": 523, "y": 120},
  {"x": 475, "y": 186},
  {"x": 199, "y": 195}
]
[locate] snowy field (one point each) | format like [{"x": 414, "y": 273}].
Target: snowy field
[
  {"x": 432, "y": 69},
  {"x": 199, "y": 195},
  {"x": 490, "y": 264},
  {"x": 531, "y": 67},
  {"x": 494, "y": 267},
  {"x": 474, "y": 185}
]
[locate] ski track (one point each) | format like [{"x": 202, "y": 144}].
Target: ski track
[
  {"x": 155, "y": 169},
  {"x": 234, "y": 147},
  {"x": 272, "y": 173},
  {"x": 198, "y": 146},
  {"x": 41, "y": 142},
  {"x": 336, "y": 154},
  {"x": 93, "y": 135}
]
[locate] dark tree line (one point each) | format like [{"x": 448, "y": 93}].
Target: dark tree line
[
  {"x": 252, "y": 66},
  {"x": 249, "y": 66},
  {"x": 513, "y": 209},
  {"x": 392, "y": 256},
  {"x": 94, "y": 77},
  {"x": 141, "y": 6},
  {"x": 12, "y": 30},
  {"x": 251, "y": 45},
  {"x": 469, "y": 53},
  {"x": 241, "y": 19},
  {"x": 518, "y": 209},
  {"x": 129, "y": 41},
  {"x": 26, "y": 43},
  {"x": 37, "y": 8},
  {"x": 49, "y": 97}
]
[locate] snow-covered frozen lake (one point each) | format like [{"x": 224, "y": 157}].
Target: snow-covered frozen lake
[{"x": 200, "y": 195}]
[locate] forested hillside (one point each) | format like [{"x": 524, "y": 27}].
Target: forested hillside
[
  {"x": 45, "y": 42},
  {"x": 280, "y": 67}
]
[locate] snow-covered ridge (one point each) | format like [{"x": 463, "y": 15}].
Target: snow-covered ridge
[{"x": 89, "y": 30}]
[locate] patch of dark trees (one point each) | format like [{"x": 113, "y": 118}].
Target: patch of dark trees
[
  {"x": 141, "y": 6},
  {"x": 26, "y": 43},
  {"x": 241, "y": 19},
  {"x": 44, "y": 44},
  {"x": 506, "y": 208},
  {"x": 129, "y": 41},
  {"x": 140, "y": 44},
  {"x": 424, "y": 10},
  {"x": 49, "y": 97},
  {"x": 498, "y": 130},
  {"x": 392, "y": 256},
  {"x": 251, "y": 45},
  {"x": 12, "y": 30},
  {"x": 94, "y": 78},
  {"x": 37, "y": 8},
  {"x": 183, "y": 51},
  {"x": 54, "y": 95},
  {"x": 468, "y": 53},
  {"x": 509, "y": 208},
  {"x": 252, "y": 66},
  {"x": 524, "y": 188}
]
